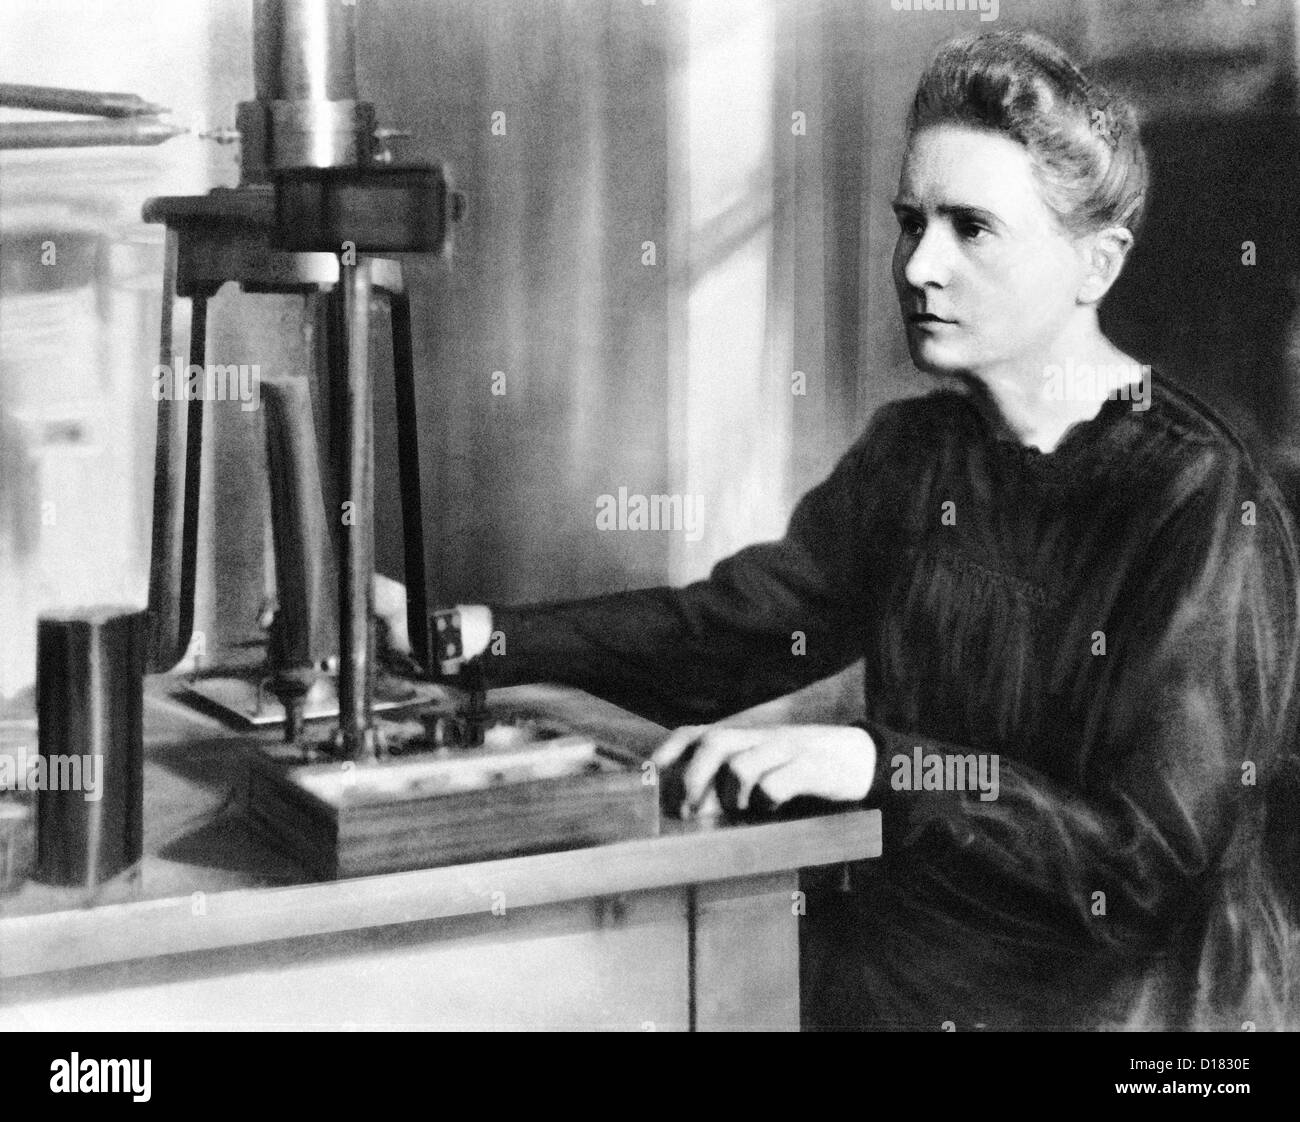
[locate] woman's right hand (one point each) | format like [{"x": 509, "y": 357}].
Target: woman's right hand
[{"x": 390, "y": 610}]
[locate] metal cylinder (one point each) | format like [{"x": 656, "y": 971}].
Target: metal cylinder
[
  {"x": 320, "y": 134},
  {"x": 89, "y": 712},
  {"x": 354, "y": 396},
  {"x": 304, "y": 50},
  {"x": 306, "y": 112}
]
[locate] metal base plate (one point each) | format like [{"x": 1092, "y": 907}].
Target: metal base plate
[{"x": 251, "y": 705}]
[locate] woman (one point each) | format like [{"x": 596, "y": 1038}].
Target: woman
[{"x": 1081, "y": 583}]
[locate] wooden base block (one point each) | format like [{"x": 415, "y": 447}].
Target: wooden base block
[{"x": 511, "y": 797}]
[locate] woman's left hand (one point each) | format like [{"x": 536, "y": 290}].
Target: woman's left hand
[{"x": 834, "y": 762}]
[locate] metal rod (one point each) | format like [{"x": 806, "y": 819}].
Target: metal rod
[
  {"x": 408, "y": 461},
  {"x": 300, "y": 642},
  {"x": 138, "y": 131},
  {"x": 355, "y": 399},
  {"x": 95, "y": 103},
  {"x": 193, "y": 475},
  {"x": 304, "y": 50},
  {"x": 166, "y": 644}
]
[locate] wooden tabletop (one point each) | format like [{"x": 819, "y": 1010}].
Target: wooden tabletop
[{"x": 208, "y": 879}]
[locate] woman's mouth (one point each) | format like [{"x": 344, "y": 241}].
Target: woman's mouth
[{"x": 928, "y": 319}]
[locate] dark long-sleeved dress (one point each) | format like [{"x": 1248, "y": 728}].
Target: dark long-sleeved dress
[{"x": 1115, "y": 620}]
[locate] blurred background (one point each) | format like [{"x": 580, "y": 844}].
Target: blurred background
[{"x": 679, "y": 221}]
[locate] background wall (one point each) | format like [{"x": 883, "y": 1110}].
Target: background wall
[{"x": 687, "y": 209}]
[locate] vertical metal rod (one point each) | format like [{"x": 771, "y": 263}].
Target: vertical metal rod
[
  {"x": 302, "y": 546},
  {"x": 178, "y": 461},
  {"x": 408, "y": 461},
  {"x": 354, "y": 396},
  {"x": 331, "y": 398},
  {"x": 193, "y": 477},
  {"x": 168, "y": 490}
]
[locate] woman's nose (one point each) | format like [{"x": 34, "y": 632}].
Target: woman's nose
[{"x": 927, "y": 263}]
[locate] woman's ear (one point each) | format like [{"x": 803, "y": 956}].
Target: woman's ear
[{"x": 1105, "y": 252}]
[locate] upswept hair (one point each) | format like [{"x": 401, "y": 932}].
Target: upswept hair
[{"x": 1083, "y": 141}]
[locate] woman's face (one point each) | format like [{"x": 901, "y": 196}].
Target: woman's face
[{"x": 987, "y": 279}]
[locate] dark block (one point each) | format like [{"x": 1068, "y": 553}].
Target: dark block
[{"x": 376, "y": 209}]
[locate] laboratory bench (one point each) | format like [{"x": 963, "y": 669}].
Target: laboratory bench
[{"x": 215, "y": 928}]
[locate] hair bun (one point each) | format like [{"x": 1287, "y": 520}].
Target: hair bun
[{"x": 1109, "y": 126}]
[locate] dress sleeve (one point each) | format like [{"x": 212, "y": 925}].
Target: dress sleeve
[
  {"x": 768, "y": 620},
  {"x": 1191, "y": 709}
]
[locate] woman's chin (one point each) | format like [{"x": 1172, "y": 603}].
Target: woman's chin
[{"x": 934, "y": 358}]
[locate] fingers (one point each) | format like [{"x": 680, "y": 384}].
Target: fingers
[
  {"x": 750, "y": 752},
  {"x": 677, "y": 743},
  {"x": 712, "y": 747},
  {"x": 762, "y": 758},
  {"x": 390, "y": 595},
  {"x": 710, "y": 806},
  {"x": 717, "y": 746},
  {"x": 782, "y": 762},
  {"x": 786, "y": 781},
  {"x": 475, "y": 629},
  {"x": 390, "y": 607}
]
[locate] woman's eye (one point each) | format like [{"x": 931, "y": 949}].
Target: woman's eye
[
  {"x": 909, "y": 225},
  {"x": 971, "y": 231}
]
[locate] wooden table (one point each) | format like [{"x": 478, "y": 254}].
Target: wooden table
[{"x": 695, "y": 929}]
